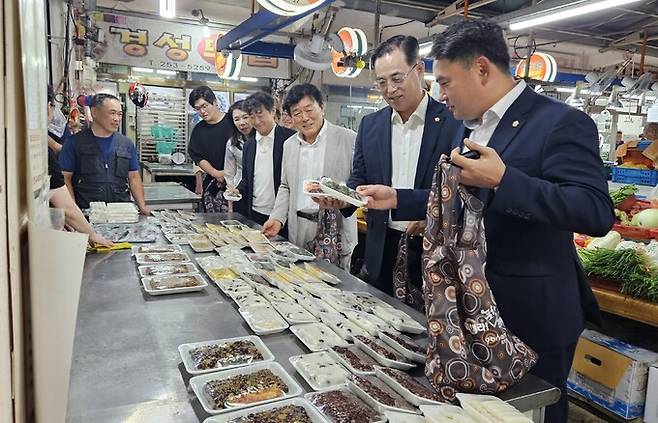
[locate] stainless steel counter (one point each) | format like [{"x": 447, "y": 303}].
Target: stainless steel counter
[
  {"x": 126, "y": 366},
  {"x": 163, "y": 195},
  {"x": 153, "y": 170}
]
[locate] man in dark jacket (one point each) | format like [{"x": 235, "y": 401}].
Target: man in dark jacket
[
  {"x": 261, "y": 158},
  {"x": 541, "y": 178}
]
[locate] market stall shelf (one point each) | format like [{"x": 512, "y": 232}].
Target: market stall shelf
[{"x": 625, "y": 306}]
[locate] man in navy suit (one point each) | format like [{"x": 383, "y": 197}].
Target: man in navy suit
[
  {"x": 398, "y": 146},
  {"x": 542, "y": 179},
  {"x": 261, "y": 159}
]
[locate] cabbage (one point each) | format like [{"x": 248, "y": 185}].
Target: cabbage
[{"x": 646, "y": 219}]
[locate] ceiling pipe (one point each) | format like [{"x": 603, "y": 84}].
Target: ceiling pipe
[{"x": 643, "y": 51}]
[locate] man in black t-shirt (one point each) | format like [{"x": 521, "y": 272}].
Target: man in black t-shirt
[{"x": 207, "y": 146}]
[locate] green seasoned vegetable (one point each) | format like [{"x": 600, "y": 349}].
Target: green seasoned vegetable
[
  {"x": 634, "y": 269},
  {"x": 619, "y": 195},
  {"x": 343, "y": 189}
]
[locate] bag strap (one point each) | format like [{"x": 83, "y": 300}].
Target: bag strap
[{"x": 448, "y": 199}]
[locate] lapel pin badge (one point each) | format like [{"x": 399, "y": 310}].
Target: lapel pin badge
[
  {"x": 437, "y": 119},
  {"x": 515, "y": 124}
]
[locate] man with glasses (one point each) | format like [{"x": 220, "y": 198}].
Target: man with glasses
[
  {"x": 540, "y": 177},
  {"x": 207, "y": 146},
  {"x": 100, "y": 164},
  {"x": 398, "y": 146},
  {"x": 261, "y": 158}
]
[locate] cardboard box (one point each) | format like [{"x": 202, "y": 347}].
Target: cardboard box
[
  {"x": 611, "y": 373},
  {"x": 651, "y": 405}
]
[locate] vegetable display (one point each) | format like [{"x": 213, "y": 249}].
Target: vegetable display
[
  {"x": 621, "y": 194},
  {"x": 635, "y": 270}
]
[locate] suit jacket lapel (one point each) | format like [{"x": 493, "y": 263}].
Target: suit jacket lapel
[
  {"x": 512, "y": 121},
  {"x": 434, "y": 118},
  {"x": 385, "y": 144},
  {"x": 277, "y": 154}
]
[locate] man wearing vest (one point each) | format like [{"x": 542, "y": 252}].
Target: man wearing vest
[{"x": 100, "y": 164}]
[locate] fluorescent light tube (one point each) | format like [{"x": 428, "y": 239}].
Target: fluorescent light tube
[
  {"x": 168, "y": 8},
  {"x": 566, "y": 12},
  {"x": 425, "y": 49}
]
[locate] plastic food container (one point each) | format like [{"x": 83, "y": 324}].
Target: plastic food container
[
  {"x": 317, "y": 336},
  {"x": 263, "y": 319},
  {"x": 342, "y": 406},
  {"x": 192, "y": 369},
  {"x": 197, "y": 384},
  {"x": 232, "y": 417},
  {"x": 398, "y": 363},
  {"x": 157, "y": 285},
  {"x": 320, "y": 370}
]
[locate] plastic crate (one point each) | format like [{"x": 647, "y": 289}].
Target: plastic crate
[
  {"x": 642, "y": 145},
  {"x": 633, "y": 232},
  {"x": 628, "y": 175}
]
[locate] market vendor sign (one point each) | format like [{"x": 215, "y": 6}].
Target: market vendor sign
[{"x": 174, "y": 46}]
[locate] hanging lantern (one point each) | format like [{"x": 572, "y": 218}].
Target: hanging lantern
[
  {"x": 227, "y": 66},
  {"x": 542, "y": 68},
  {"x": 355, "y": 44},
  {"x": 290, "y": 7}
]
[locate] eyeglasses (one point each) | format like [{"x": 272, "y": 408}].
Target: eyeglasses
[
  {"x": 395, "y": 82},
  {"x": 203, "y": 107}
]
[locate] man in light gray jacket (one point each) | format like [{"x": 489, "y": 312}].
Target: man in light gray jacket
[{"x": 319, "y": 149}]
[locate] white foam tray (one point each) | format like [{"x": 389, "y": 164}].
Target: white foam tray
[{"x": 184, "y": 350}]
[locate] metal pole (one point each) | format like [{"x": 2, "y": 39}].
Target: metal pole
[
  {"x": 378, "y": 9},
  {"x": 526, "y": 73}
]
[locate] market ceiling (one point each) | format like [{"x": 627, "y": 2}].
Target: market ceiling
[{"x": 615, "y": 28}]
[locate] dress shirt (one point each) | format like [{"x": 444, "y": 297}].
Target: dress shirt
[
  {"x": 311, "y": 166},
  {"x": 264, "y": 195},
  {"x": 482, "y": 129},
  {"x": 406, "y": 139}
]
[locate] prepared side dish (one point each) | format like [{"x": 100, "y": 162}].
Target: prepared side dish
[
  {"x": 320, "y": 370},
  {"x": 245, "y": 389},
  {"x": 285, "y": 414},
  {"x": 410, "y": 385},
  {"x": 151, "y": 258},
  {"x": 167, "y": 269},
  {"x": 173, "y": 281},
  {"x": 341, "y": 406},
  {"x": 380, "y": 392},
  {"x": 355, "y": 359},
  {"x": 220, "y": 355}
]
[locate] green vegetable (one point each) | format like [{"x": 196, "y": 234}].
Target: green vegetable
[
  {"x": 619, "y": 195},
  {"x": 646, "y": 219},
  {"x": 634, "y": 269}
]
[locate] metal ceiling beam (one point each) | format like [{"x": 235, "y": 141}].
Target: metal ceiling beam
[
  {"x": 634, "y": 38},
  {"x": 455, "y": 9},
  {"x": 401, "y": 9},
  {"x": 258, "y": 26}
]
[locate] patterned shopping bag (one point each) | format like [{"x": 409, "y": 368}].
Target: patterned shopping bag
[{"x": 470, "y": 349}]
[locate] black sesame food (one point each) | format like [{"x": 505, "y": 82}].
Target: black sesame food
[
  {"x": 343, "y": 407},
  {"x": 285, "y": 414}
]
